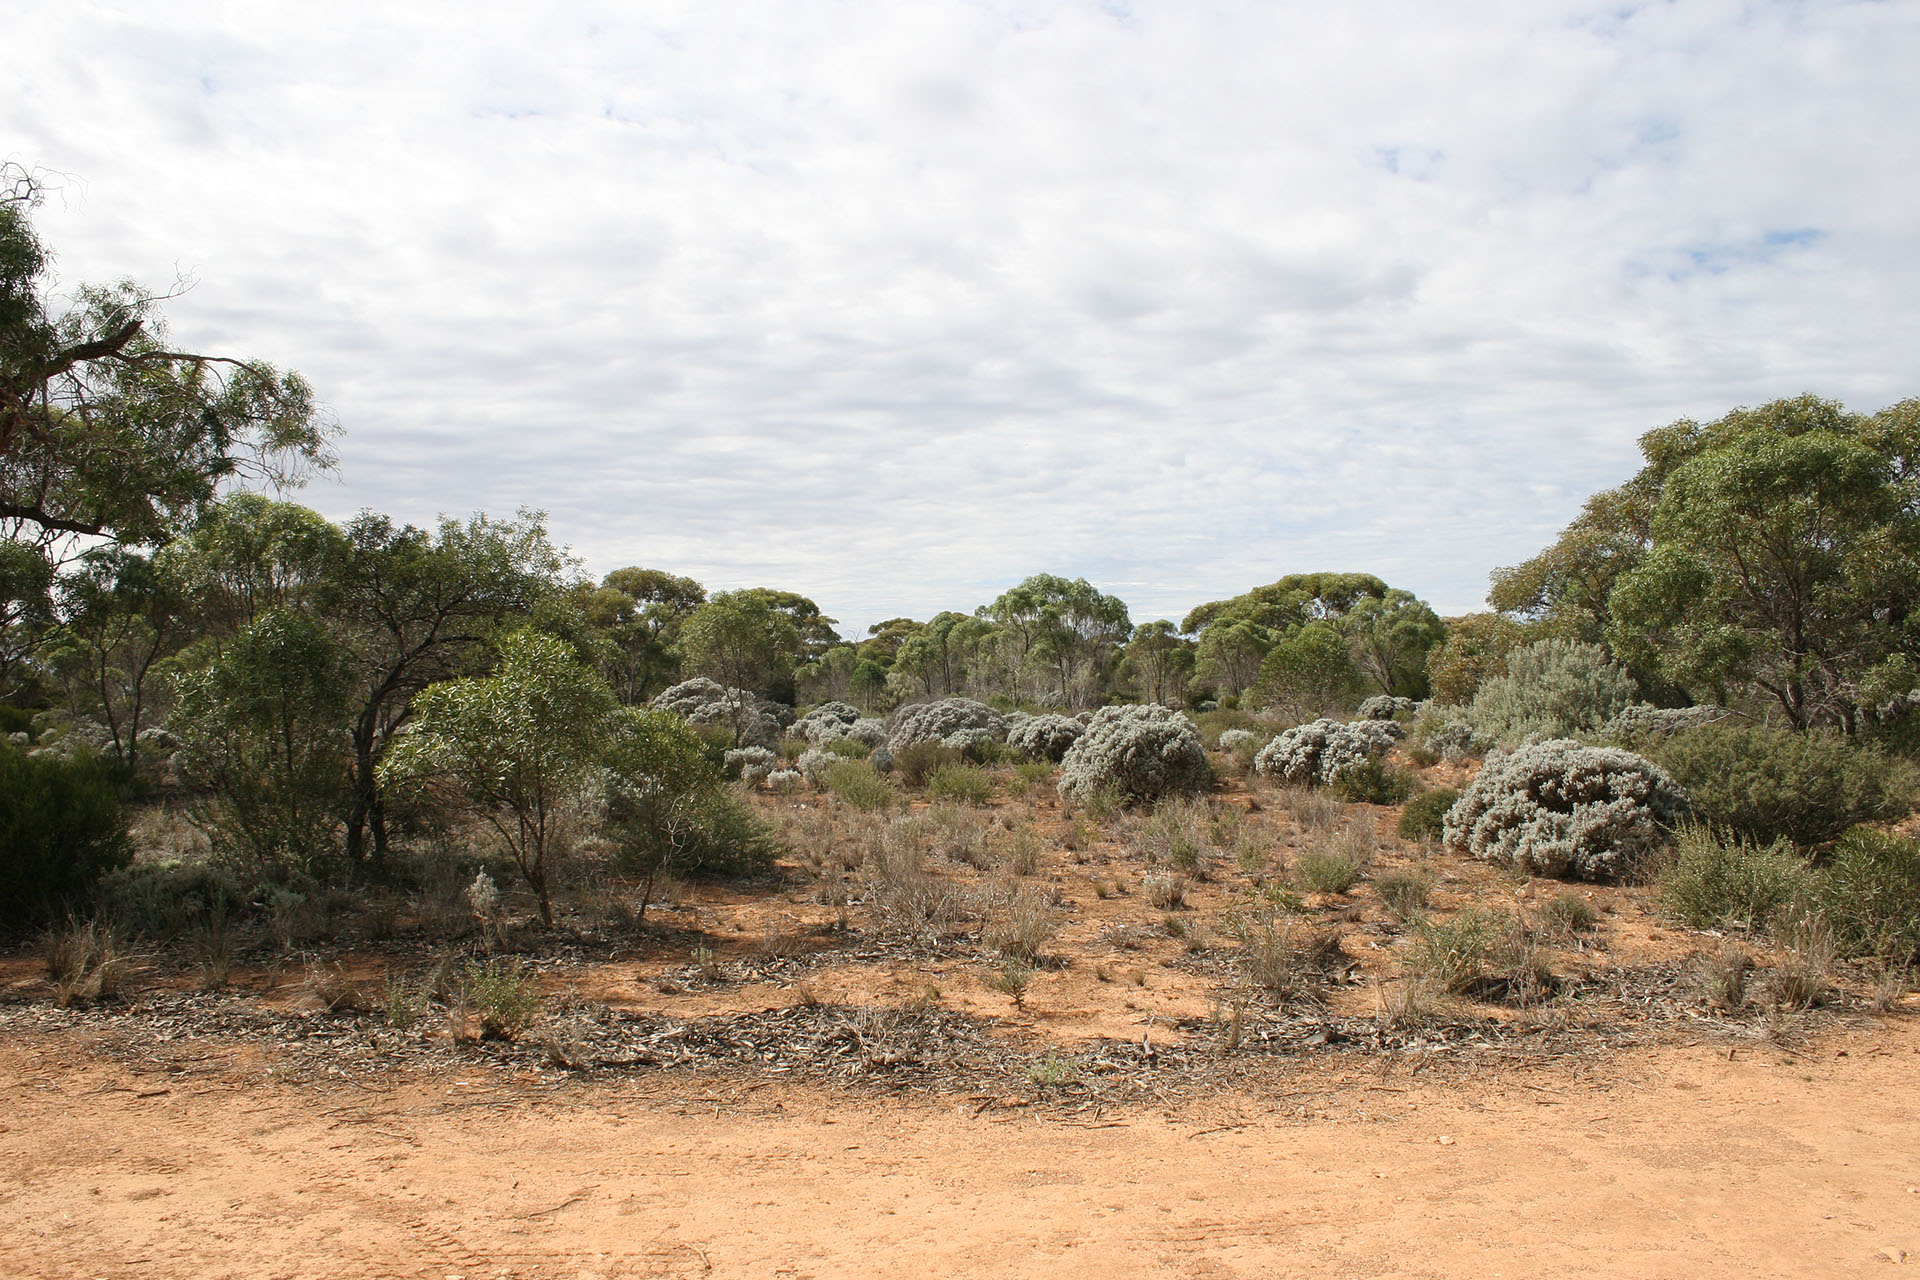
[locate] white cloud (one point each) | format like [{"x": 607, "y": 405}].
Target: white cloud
[{"x": 895, "y": 304}]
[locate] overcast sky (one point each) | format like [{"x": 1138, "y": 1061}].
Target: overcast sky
[{"x": 894, "y": 304}]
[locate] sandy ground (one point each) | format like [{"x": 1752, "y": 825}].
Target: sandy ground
[{"x": 1675, "y": 1163}]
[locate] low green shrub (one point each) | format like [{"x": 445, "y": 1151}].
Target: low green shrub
[
  {"x": 504, "y": 995},
  {"x": 1765, "y": 785},
  {"x": 917, "y": 761},
  {"x": 1722, "y": 881},
  {"x": 1372, "y": 782},
  {"x": 1328, "y": 870},
  {"x": 859, "y": 787},
  {"x": 1425, "y": 816},
  {"x": 1870, "y": 896},
  {"x": 961, "y": 783},
  {"x": 62, "y": 829}
]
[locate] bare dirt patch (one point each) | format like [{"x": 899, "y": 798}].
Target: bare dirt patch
[{"x": 1686, "y": 1160}]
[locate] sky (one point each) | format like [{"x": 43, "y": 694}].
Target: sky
[{"x": 894, "y": 304}]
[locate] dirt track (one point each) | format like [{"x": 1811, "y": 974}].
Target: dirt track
[{"x": 1678, "y": 1163}]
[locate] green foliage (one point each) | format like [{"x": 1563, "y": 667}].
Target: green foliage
[
  {"x": 1869, "y": 894},
  {"x": 1329, "y": 870},
  {"x": 1475, "y": 650},
  {"x": 859, "y": 787},
  {"x": 61, "y": 830},
  {"x": 1778, "y": 551},
  {"x": 1771, "y": 784},
  {"x": 740, "y": 640},
  {"x": 1310, "y": 673},
  {"x": 1552, "y": 688},
  {"x": 1722, "y": 881},
  {"x": 163, "y": 900},
  {"x": 1372, "y": 781},
  {"x": 519, "y": 748},
  {"x": 1426, "y": 813},
  {"x": 1390, "y": 637},
  {"x": 1157, "y": 662},
  {"x": 107, "y": 430},
  {"x": 964, "y": 783},
  {"x": 667, "y": 806},
  {"x": 916, "y": 762},
  {"x": 262, "y": 720},
  {"x": 1064, "y": 632},
  {"x": 1290, "y": 603},
  {"x": 505, "y": 996}
]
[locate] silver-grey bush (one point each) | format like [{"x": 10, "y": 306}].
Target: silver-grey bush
[
  {"x": 1558, "y": 808},
  {"x": 1143, "y": 752}
]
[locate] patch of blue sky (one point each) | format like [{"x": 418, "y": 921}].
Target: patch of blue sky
[{"x": 1713, "y": 259}]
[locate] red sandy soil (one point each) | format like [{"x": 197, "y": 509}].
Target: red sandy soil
[{"x": 1690, "y": 1160}]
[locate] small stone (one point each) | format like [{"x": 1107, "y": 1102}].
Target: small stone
[
  {"x": 1890, "y": 1254},
  {"x": 1444, "y": 1140}
]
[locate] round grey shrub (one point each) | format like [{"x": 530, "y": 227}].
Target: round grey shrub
[
  {"x": 1553, "y": 688},
  {"x": 1143, "y": 752},
  {"x": 972, "y": 743},
  {"x": 1558, "y": 808},
  {"x": 1045, "y": 737},
  {"x": 1448, "y": 737},
  {"x": 701, "y": 701},
  {"x": 825, "y": 722},
  {"x": 1235, "y": 739},
  {"x": 1382, "y": 706},
  {"x": 785, "y": 780},
  {"x": 814, "y": 763},
  {"x": 868, "y": 730},
  {"x": 933, "y": 721},
  {"x": 1315, "y": 753},
  {"x": 742, "y": 759},
  {"x": 881, "y": 759}
]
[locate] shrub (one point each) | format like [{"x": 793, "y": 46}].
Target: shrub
[
  {"x": 1770, "y": 784},
  {"x": 963, "y": 783},
  {"x": 166, "y": 899},
  {"x": 1234, "y": 740},
  {"x": 1442, "y": 737},
  {"x": 1403, "y": 893},
  {"x": 785, "y": 781},
  {"x": 915, "y": 763},
  {"x": 1382, "y": 706},
  {"x": 1425, "y": 816},
  {"x": 847, "y": 748},
  {"x": 1718, "y": 881},
  {"x": 824, "y": 723},
  {"x": 1329, "y": 870},
  {"x": 1870, "y": 895},
  {"x": 928, "y": 722},
  {"x": 867, "y": 731},
  {"x": 1570, "y": 913},
  {"x": 1313, "y": 754},
  {"x": 974, "y": 744},
  {"x": 1558, "y": 808},
  {"x": 1643, "y": 722},
  {"x": 1482, "y": 954},
  {"x": 61, "y": 830},
  {"x": 750, "y": 764},
  {"x": 1166, "y": 892},
  {"x": 1372, "y": 782},
  {"x": 1045, "y": 737},
  {"x": 1175, "y": 835},
  {"x": 859, "y": 787},
  {"x": 753, "y": 721},
  {"x": 1142, "y": 752},
  {"x": 504, "y": 995},
  {"x": 1555, "y": 688},
  {"x": 813, "y": 765}
]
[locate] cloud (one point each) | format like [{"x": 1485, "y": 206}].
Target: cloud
[{"x": 895, "y": 305}]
